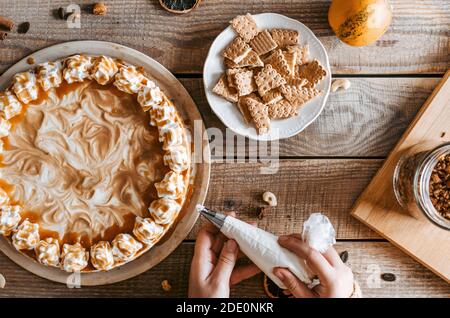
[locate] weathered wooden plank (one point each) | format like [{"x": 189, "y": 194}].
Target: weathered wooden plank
[
  {"x": 365, "y": 120},
  {"x": 417, "y": 41},
  {"x": 367, "y": 259},
  {"x": 302, "y": 187}
]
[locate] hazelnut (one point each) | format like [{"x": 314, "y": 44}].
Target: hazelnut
[
  {"x": 166, "y": 285},
  {"x": 99, "y": 9},
  {"x": 270, "y": 198}
]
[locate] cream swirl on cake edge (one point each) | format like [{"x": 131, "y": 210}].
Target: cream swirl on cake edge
[
  {"x": 77, "y": 68},
  {"x": 102, "y": 256},
  {"x": 48, "y": 252},
  {"x": 9, "y": 218},
  {"x": 26, "y": 237},
  {"x": 104, "y": 69},
  {"x": 147, "y": 230},
  {"x": 49, "y": 74},
  {"x": 25, "y": 87},
  {"x": 125, "y": 247},
  {"x": 74, "y": 257},
  {"x": 173, "y": 186},
  {"x": 10, "y": 104},
  {"x": 164, "y": 210}
]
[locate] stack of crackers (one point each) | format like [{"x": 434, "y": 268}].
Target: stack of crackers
[{"x": 268, "y": 73}]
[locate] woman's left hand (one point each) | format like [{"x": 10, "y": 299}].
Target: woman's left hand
[{"x": 213, "y": 267}]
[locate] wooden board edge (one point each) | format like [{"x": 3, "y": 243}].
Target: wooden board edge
[
  {"x": 355, "y": 211},
  {"x": 355, "y": 207}
]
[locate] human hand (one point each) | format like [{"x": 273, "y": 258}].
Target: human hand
[
  {"x": 336, "y": 278},
  {"x": 213, "y": 268}
]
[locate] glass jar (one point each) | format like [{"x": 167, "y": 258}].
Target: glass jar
[{"x": 411, "y": 182}]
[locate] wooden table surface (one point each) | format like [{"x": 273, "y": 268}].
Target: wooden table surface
[{"x": 324, "y": 168}]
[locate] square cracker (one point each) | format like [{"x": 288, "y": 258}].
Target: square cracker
[
  {"x": 279, "y": 63},
  {"x": 260, "y": 115},
  {"x": 237, "y": 50},
  {"x": 223, "y": 89},
  {"x": 251, "y": 60},
  {"x": 312, "y": 71},
  {"x": 298, "y": 96},
  {"x": 302, "y": 53},
  {"x": 297, "y": 81},
  {"x": 267, "y": 79},
  {"x": 230, "y": 75},
  {"x": 245, "y": 83},
  {"x": 245, "y": 26},
  {"x": 282, "y": 109},
  {"x": 243, "y": 107},
  {"x": 263, "y": 43},
  {"x": 291, "y": 60},
  {"x": 273, "y": 96},
  {"x": 284, "y": 37}
]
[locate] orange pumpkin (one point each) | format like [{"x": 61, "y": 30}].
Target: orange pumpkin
[{"x": 359, "y": 22}]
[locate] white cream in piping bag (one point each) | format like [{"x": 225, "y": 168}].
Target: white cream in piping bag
[{"x": 263, "y": 250}]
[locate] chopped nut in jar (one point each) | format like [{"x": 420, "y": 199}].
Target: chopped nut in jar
[{"x": 440, "y": 187}]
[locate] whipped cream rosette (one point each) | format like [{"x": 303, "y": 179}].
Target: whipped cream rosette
[
  {"x": 125, "y": 247},
  {"x": 173, "y": 186},
  {"x": 177, "y": 158},
  {"x": 9, "y": 218},
  {"x": 25, "y": 87},
  {"x": 164, "y": 211},
  {"x": 147, "y": 230},
  {"x": 26, "y": 237},
  {"x": 5, "y": 127},
  {"x": 162, "y": 114},
  {"x": 129, "y": 79},
  {"x": 83, "y": 158},
  {"x": 104, "y": 69},
  {"x": 170, "y": 134},
  {"x": 149, "y": 95},
  {"x": 9, "y": 104},
  {"x": 102, "y": 256},
  {"x": 48, "y": 252},
  {"x": 77, "y": 68},
  {"x": 49, "y": 75},
  {"x": 74, "y": 257}
]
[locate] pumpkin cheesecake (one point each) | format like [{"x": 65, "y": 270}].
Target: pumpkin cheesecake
[{"x": 94, "y": 166}]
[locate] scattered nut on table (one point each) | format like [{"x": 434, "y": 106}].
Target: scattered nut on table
[
  {"x": 270, "y": 198},
  {"x": 99, "y": 9},
  {"x": 340, "y": 83},
  {"x": 2, "y": 281},
  {"x": 166, "y": 285}
]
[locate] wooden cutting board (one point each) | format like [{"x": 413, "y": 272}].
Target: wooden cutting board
[{"x": 377, "y": 206}]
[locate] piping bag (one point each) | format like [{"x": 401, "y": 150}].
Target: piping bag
[{"x": 262, "y": 247}]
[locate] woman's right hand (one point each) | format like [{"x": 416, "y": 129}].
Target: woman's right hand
[{"x": 336, "y": 278}]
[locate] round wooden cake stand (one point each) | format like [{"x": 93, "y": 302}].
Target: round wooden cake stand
[{"x": 200, "y": 175}]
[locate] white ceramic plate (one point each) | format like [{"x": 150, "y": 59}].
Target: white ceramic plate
[
  {"x": 188, "y": 110},
  {"x": 229, "y": 113}
]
